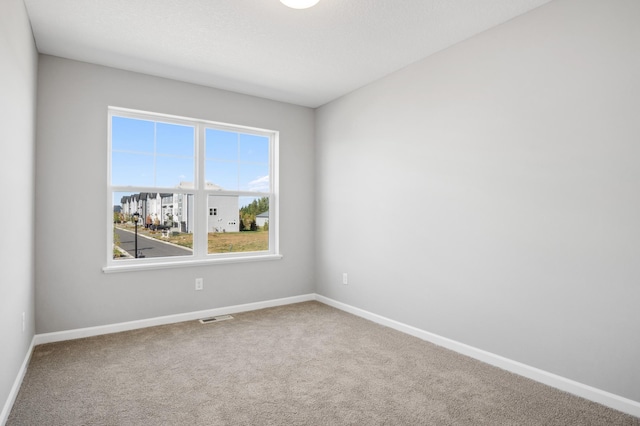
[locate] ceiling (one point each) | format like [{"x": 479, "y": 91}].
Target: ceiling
[{"x": 261, "y": 47}]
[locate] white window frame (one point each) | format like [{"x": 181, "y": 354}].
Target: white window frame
[{"x": 200, "y": 250}]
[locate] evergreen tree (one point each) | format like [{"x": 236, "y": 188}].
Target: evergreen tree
[
  {"x": 249, "y": 212},
  {"x": 256, "y": 207}
]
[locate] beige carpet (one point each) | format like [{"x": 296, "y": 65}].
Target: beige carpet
[{"x": 302, "y": 364}]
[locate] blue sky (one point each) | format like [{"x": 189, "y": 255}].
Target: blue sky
[{"x": 156, "y": 154}]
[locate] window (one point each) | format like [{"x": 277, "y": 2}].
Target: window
[{"x": 185, "y": 190}]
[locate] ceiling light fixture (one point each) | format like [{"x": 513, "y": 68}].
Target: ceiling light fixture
[{"x": 299, "y": 4}]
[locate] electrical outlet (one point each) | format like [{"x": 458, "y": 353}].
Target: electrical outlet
[
  {"x": 345, "y": 278},
  {"x": 199, "y": 284}
]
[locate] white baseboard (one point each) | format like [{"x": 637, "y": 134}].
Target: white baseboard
[
  {"x": 13, "y": 394},
  {"x": 588, "y": 392},
  {"x": 40, "y": 339},
  {"x": 169, "y": 319}
]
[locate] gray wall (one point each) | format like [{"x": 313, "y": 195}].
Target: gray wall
[
  {"x": 510, "y": 164},
  {"x": 71, "y": 289},
  {"x": 18, "y": 67}
]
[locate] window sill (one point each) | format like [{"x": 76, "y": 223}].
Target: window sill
[{"x": 187, "y": 263}]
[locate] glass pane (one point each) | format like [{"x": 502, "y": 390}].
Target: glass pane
[
  {"x": 148, "y": 153},
  {"x": 172, "y": 171},
  {"x": 254, "y": 149},
  {"x": 237, "y": 224},
  {"x": 129, "y": 169},
  {"x": 221, "y": 145},
  {"x": 175, "y": 139},
  {"x": 130, "y": 134},
  {"x": 237, "y": 161},
  {"x": 163, "y": 228},
  {"x": 221, "y": 175},
  {"x": 254, "y": 177}
]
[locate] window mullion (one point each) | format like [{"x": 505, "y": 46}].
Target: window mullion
[
  {"x": 274, "y": 225},
  {"x": 200, "y": 235}
]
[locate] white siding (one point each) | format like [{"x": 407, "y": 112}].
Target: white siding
[{"x": 223, "y": 214}]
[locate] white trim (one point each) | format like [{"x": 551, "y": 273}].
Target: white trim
[
  {"x": 241, "y": 258},
  {"x": 585, "y": 391},
  {"x": 199, "y": 192},
  {"x": 588, "y": 392},
  {"x": 13, "y": 393},
  {"x": 169, "y": 319},
  {"x": 180, "y": 119}
]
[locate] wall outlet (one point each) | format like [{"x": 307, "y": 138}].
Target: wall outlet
[
  {"x": 199, "y": 284},
  {"x": 345, "y": 278}
]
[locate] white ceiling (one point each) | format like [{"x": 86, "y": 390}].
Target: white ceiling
[{"x": 261, "y": 47}]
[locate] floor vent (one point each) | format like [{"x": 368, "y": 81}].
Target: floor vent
[{"x": 216, "y": 319}]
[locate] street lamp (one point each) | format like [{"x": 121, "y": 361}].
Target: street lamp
[{"x": 136, "y": 216}]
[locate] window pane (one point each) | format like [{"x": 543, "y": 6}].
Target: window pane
[
  {"x": 128, "y": 169},
  {"x": 221, "y": 175},
  {"x": 254, "y": 177},
  {"x": 221, "y": 145},
  {"x": 163, "y": 229},
  {"x": 254, "y": 149},
  {"x": 148, "y": 153},
  {"x": 175, "y": 139},
  {"x": 237, "y": 224},
  {"x": 172, "y": 171},
  {"x": 237, "y": 161},
  {"x": 130, "y": 134}
]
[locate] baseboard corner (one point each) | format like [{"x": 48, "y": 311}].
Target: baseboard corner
[{"x": 13, "y": 393}]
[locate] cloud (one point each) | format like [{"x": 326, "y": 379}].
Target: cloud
[{"x": 260, "y": 184}]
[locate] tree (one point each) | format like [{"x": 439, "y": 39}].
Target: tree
[
  {"x": 249, "y": 212},
  {"x": 256, "y": 207}
]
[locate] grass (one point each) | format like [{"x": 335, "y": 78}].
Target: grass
[{"x": 238, "y": 241}]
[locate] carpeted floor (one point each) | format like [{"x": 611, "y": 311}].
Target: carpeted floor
[{"x": 302, "y": 364}]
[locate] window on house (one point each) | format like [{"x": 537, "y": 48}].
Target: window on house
[{"x": 184, "y": 190}]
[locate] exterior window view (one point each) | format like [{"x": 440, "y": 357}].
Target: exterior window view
[{"x": 182, "y": 188}]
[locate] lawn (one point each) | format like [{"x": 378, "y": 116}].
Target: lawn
[{"x": 224, "y": 242}]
